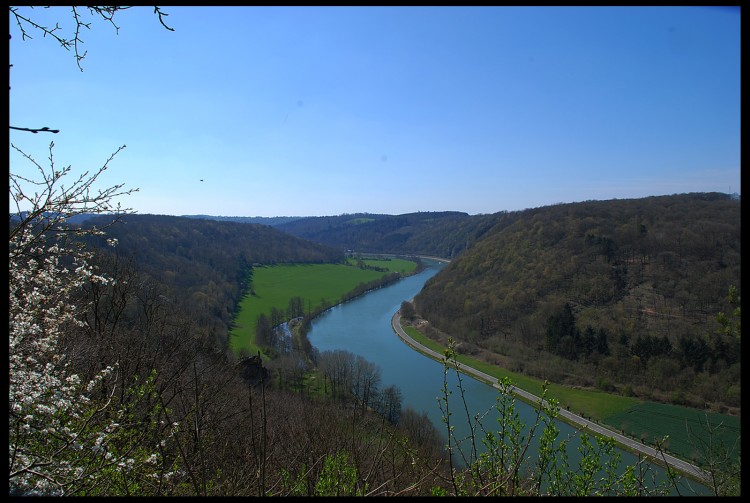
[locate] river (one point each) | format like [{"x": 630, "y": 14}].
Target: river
[{"x": 363, "y": 327}]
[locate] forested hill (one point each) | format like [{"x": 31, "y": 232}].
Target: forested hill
[
  {"x": 204, "y": 261},
  {"x": 212, "y": 241},
  {"x": 443, "y": 234},
  {"x": 272, "y": 221},
  {"x": 644, "y": 279}
]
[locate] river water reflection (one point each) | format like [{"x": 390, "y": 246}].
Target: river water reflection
[{"x": 363, "y": 327}]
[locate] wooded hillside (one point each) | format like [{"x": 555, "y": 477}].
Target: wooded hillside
[
  {"x": 443, "y": 234},
  {"x": 206, "y": 261},
  {"x": 620, "y": 294}
]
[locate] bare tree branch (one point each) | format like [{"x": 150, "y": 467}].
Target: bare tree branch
[
  {"x": 158, "y": 11},
  {"x": 27, "y": 25},
  {"x": 55, "y": 203},
  {"x": 45, "y": 129},
  {"x": 106, "y": 13}
]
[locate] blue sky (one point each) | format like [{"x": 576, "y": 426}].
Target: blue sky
[{"x": 303, "y": 111}]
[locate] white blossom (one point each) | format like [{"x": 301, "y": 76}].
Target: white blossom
[{"x": 46, "y": 397}]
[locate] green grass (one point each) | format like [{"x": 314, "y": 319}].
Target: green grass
[
  {"x": 393, "y": 265},
  {"x": 652, "y": 421},
  {"x": 316, "y": 284}
]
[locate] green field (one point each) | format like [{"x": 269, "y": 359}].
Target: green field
[
  {"x": 316, "y": 284},
  {"x": 648, "y": 421},
  {"x": 652, "y": 421}
]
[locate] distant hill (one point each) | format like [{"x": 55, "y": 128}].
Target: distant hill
[
  {"x": 645, "y": 278},
  {"x": 271, "y": 221},
  {"x": 443, "y": 234},
  {"x": 73, "y": 220}
]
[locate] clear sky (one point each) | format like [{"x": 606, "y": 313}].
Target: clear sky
[{"x": 305, "y": 111}]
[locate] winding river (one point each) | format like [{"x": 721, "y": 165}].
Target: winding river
[{"x": 363, "y": 327}]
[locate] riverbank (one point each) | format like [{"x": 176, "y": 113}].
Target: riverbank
[
  {"x": 292, "y": 290},
  {"x": 575, "y": 420}
]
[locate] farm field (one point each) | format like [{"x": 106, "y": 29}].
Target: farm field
[
  {"x": 316, "y": 284},
  {"x": 651, "y": 421}
]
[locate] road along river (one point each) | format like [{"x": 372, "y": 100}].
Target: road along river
[
  {"x": 581, "y": 422},
  {"x": 364, "y": 327}
]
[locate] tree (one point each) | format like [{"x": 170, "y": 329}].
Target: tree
[
  {"x": 337, "y": 367},
  {"x": 264, "y": 331},
  {"x": 65, "y": 433},
  {"x": 296, "y": 307},
  {"x": 588, "y": 341},
  {"x": 366, "y": 381},
  {"x": 60, "y": 425},
  {"x": 731, "y": 325},
  {"x": 602, "y": 346},
  {"x": 562, "y": 336},
  {"x": 407, "y": 310},
  {"x": 390, "y": 403}
]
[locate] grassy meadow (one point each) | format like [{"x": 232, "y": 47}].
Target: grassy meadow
[{"x": 317, "y": 284}]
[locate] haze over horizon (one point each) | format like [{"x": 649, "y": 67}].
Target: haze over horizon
[
  {"x": 316, "y": 111},
  {"x": 734, "y": 193}
]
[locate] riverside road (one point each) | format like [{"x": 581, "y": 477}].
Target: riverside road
[{"x": 581, "y": 422}]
